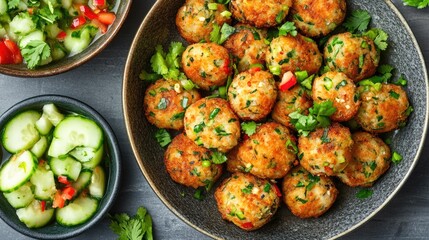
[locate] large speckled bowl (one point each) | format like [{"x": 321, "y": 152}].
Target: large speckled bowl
[
  {"x": 111, "y": 160},
  {"x": 348, "y": 212},
  {"x": 121, "y": 9}
]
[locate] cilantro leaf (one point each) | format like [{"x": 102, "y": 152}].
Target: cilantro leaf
[
  {"x": 249, "y": 128},
  {"x": 220, "y": 34},
  {"x": 165, "y": 64},
  {"x": 385, "y": 74},
  {"x": 288, "y": 28},
  {"x": 163, "y": 137},
  {"x": 318, "y": 117},
  {"x": 357, "y": 21},
  {"x": 218, "y": 157},
  {"x": 135, "y": 228},
  {"x": 158, "y": 63},
  {"x": 364, "y": 193},
  {"x": 12, "y": 4},
  {"x": 35, "y": 52},
  {"x": 417, "y": 3},
  {"x": 396, "y": 157},
  {"x": 174, "y": 52},
  {"x": 149, "y": 76},
  {"x": 379, "y": 37}
]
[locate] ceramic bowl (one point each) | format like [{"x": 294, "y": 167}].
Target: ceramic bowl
[
  {"x": 121, "y": 10},
  {"x": 348, "y": 212},
  {"x": 67, "y": 104}
]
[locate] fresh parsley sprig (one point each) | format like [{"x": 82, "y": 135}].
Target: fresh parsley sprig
[
  {"x": 357, "y": 21},
  {"x": 132, "y": 228},
  {"x": 35, "y": 52}
]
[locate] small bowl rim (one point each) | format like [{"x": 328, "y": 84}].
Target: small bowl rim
[
  {"x": 47, "y": 70},
  {"x": 114, "y": 152}
]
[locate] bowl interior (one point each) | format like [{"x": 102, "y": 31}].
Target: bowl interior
[
  {"x": 121, "y": 9},
  {"x": 348, "y": 212},
  {"x": 112, "y": 167}
]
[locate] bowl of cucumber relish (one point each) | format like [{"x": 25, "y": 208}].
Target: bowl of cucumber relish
[
  {"x": 60, "y": 167},
  {"x": 48, "y": 37}
]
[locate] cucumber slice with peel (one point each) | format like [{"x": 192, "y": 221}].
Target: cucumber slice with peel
[
  {"x": 16, "y": 171},
  {"x": 43, "y": 125},
  {"x": 68, "y": 167},
  {"x": 77, "y": 212},
  {"x": 97, "y": 187},
  {"x": 40, "y": 147},
  {"x": 82, "y": 181},
  {"x": 33, "y": 216},
  {"x": 20, "y": 132},
  {"x": 75, "y": 131},
  {"x": 52, "y": 113},
  {"x": 83, "y": 154},
  {"x": 95, "y": 160},
  {"x": 44, "y": 183},
  {"x": 21, "y": 197}
]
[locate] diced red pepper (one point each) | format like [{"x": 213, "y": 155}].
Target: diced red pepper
[
  {"x": 63, "y": 180},
  {"x": 99, "y": 3},
  {"x": 87, "y": 12},
  {"x": 9, "y": 52},
  {"x": 329, "y": 170},
  {"x": 43, "y": 205},
  {"x": 106, "y": 17},
  {"x": 226, "y": 68},
  {"x": 59, "y": 201},
  {"x": 30, "y": 10},
  {"x": 68, "y": 193},
  {"x": 277, "y": 190},
  {"x": 245, "y": 137},
  {"x": 288, "y": 81},
  {"x": 61, "y": 35},
  {"x": 42, "y": 162},
  {"x": 247, "y": 225},
  {"x": 77, "y": 22},
  {"x": 255, "y": 69},
  {"x": 99, "y": 25}
]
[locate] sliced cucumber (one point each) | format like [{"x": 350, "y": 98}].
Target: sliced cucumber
[
  {"x": 77, "y": 40},
  {"x": 21, "y": 197},
  {"x": 33, "y": 216},
  {"x": 16, "y": 171},
  {"x": 58, "y": 51},
  {"x": 33, "y": 36},
  {"x": 44, "y": 183},
  {"x": 20, "y": 132},
  {"x": 43, "y": 125},
  {"x": 3, "y": 7},
  {"x": 68, "y": 167},
  {"x": 22, "y": 24},
  {"x": 75, "y": 131},
  {"x": 77, "y": 212},
  {"x": 40, "y": 147},
  {"x": 97, "y": 187},
  {"x": 95, "y": 160},
  {"x": 53, "y": 114},
  {"x": 83, "y": 154},
  {"x": 82, "y": 181}
]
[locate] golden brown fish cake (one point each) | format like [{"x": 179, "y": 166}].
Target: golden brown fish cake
[
  {"x": 382, "y": 110},
  {"x": 316, "y": 18},
  {"x": 289, "y": 101},
  {"x": 247, "y": 201},
  {"x": 307, "y": 195},
  {"x": 247, "y": 45},
  {"x": 194, "y": 20},
  {"x": 326, "y": 150},
  {"x": 252, "y": 94},
  {"x": 371, "y": 159},
  {"x": 165, "y": 102},
  {"x": 189, "y": 164},
  {"x": 341, "y": 91},
  {"x": 288, "y": 53},
  {"x": 270, "y": 152},
  {"x": 263, "y": 13},
  {"x": 211, "y": 123},
  {"x": 356, "y": 56},
  {"x": 207, "y": 64}
]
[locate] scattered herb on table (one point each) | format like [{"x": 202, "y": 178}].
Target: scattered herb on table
[{"x": 132, "y": 228}]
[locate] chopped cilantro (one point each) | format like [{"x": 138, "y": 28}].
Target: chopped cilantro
[
  {"x": 396, "y": 157},
  {"x": 218, "y": 157},
  {"x": 318, "y": 117},
  {"x": 248, "y": 188},
  {"x": 249, "y": 128},
  {"x": 163, "y": 137},
  {"x": 220, "y": 34},
  {"x": 364, "y": 193},
  {"x": 416, "y": 3},
  {"x": 379, "y": 37},
  {"x": 288, "y": 28},
  {"x": 199, "y": 194}
]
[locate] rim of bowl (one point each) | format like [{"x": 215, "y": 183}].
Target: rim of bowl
[
  {"x": 60, "y": 66},
  {"x": 180, "y": 216},
  {"x": 114, "y": 152}
]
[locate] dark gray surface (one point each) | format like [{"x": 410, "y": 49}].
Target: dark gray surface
[{"x": 99, "y": 83}]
